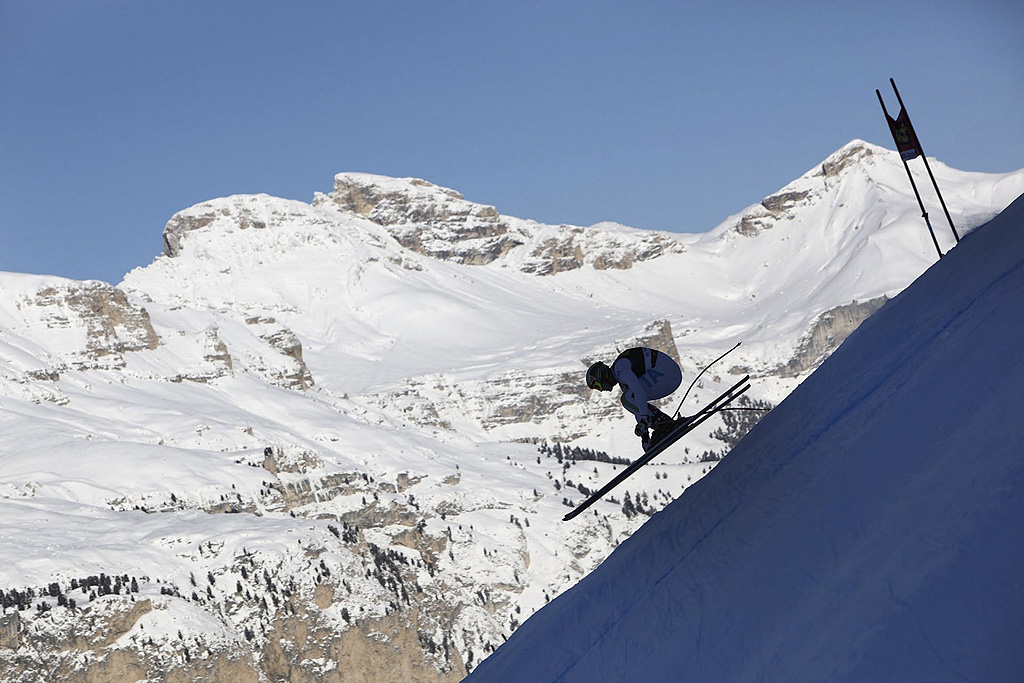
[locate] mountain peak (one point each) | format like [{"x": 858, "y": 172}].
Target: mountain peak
[
  {"x": 391, "y": 201},
  {"x": 226, "y": 214},
  {"x": 853, "y": 152},
  {"x": 424, "y": 217},
  {"x": 815, "y": 187}
]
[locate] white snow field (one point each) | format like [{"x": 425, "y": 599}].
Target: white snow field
[{"x": 868, "y": 529}]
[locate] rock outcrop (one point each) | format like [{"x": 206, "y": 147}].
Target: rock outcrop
[
  {"x": 428, "y": 219},
  {"x": 295, "y": 374},
  {"x": 93, "y": 323},
  {"x": 440, "y": 223},
  {"x": 827, "y": 333}
]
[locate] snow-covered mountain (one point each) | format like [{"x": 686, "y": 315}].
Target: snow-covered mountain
[
  {"x": 868, "y": 529},
  {"x": 303, "y": 442}
]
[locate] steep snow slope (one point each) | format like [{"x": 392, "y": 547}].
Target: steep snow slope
[{"x": 867, "y": 529}]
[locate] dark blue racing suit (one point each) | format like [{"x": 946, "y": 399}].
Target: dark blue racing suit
[{"x": 645, "y": 375}]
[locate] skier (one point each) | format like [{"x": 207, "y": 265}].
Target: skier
[{"x": 644, "y": 375}]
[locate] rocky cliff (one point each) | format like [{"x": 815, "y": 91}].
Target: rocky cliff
[{"x": 440, "y": 223}]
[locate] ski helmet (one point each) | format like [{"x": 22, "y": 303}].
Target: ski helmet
[{"x": 600, "y": 377}]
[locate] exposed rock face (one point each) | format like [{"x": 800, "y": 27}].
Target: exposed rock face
[
  {"x": 96, "y": 321},
  {"x": 441, "y": 223},
  {"x": 216, "y": 363},
  {"x": 178, "y": 226},
  {"x": 622, "y": 257},
  {"x": 92, "y": 649},
  {"x": 425, "y": 218},
  {"x": 218, "y": 351},
  {"x": 384, "y": 645},
  {"x": 295, "y": 375},
  {"x": 392, "y": 202},
  {"x": 245, "y": 217},
  {"x": 828, "y": 332},
  {"x": 10, "y": 630},
  {"x": 239, "y": 212},
  {"x": 259, "y": 622},
  {"x": 658, "y": 335},
  {"x": 849, "y": 155},
  {"x": 574, "y": 247},
  {"x": 556, "y": 254},
  {"x": 763, "y": 216}
]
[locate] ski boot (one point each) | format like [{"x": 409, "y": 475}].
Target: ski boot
[
  {"x": 661, "y": 430},
  {"x": 661, "y": 424},
  {"x": 644, "y": 434}
]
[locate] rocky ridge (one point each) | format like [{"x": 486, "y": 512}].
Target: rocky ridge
[{"x": 440, "y": 223}]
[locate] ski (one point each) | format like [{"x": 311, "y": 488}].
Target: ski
[{"x": 684, "y": 427}]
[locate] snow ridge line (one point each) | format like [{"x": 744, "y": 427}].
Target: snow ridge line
[{"x": 882, "y": 378}]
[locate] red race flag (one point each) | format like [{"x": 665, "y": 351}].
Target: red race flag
[{"x": 904, "y": 136}]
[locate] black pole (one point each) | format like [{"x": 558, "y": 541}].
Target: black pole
[
  {"x": 701, "y": 373},
  {"x": 924, "y": 158},
  {"x": 924, "y": 213}
]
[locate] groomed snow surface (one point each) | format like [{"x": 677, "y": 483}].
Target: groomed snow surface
[{"x": 869, "y": 529}]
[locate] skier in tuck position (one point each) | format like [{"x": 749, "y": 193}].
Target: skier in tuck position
[{"x": 644, "y": 375}]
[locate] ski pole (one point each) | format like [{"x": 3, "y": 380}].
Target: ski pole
[{"x": 699, "y": 375}]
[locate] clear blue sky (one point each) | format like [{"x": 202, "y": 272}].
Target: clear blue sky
[{"x": 664, "y": 115}]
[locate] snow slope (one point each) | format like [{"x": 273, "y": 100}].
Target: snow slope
[{"x": 868, "y": 529}]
